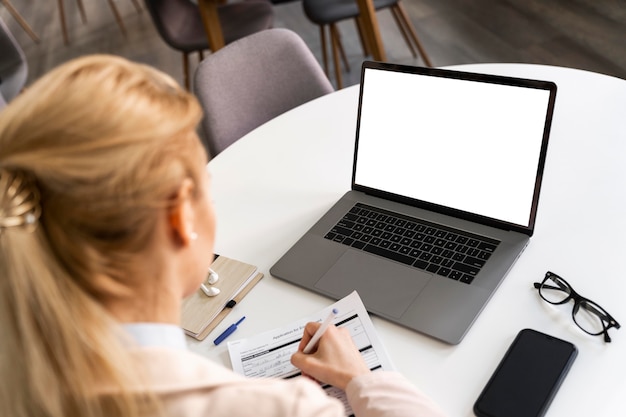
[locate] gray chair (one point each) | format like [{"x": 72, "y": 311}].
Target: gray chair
[
  {"x": 180, "y": 25},
  {"x": 327, "y": 13},
  {"x": 253, "y": 80},
  {"x": 13, "y": 66}
]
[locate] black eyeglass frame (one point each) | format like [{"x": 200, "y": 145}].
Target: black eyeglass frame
[{"x": 579, "y": 301}]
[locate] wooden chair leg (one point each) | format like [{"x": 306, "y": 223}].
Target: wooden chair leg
[
  {"x": 17, "y": 16},
  {"x": 324, "y": 50},
  {"x": 403, "y": 31},
  {"x": 362, "y": 37},
  {"x": 117, "y": 16},
  {"x": 335, "y": 46},
  {"x": 403, "y": 15},
  {"x": 186, "y": 70},
  {"x": 337, "y": 35},
  {"x": 81, "y": 8},
  {"x": 66, "y": 38}
]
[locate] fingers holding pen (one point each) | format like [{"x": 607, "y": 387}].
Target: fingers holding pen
[
  {"x": 309, "y": 331},
  {"x": 335, "y": 361}
]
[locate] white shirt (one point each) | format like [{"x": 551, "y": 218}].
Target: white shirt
[{"x": 156, "y": 335}]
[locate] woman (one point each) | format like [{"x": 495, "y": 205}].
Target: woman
[{"x": 106, "y": 224}]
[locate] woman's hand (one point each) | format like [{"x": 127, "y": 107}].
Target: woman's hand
[{"x": 335, "y": 361}]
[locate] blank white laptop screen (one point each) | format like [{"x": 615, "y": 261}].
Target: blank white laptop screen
[{"x": 467, "y": 145}]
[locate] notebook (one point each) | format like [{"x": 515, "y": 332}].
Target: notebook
[
  {"x": 445, "y": 189},
  {"x": 200, "y": 314}
]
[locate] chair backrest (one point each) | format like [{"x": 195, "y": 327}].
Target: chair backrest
[
  {"x": 253, "y": 80},
  {"x": 13, "y": 65},
  {"x": 179, "y": 24}
]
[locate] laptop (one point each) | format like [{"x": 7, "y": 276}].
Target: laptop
[{"x": 445, "y": 187}]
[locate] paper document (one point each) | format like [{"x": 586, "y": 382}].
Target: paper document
[{"x": 268, "y": 354}]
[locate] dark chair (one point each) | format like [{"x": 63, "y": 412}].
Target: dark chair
[
  {"x": 179, "y": 22},
  {"x": 253, "y": 80},
  {"x": 327, "y": 13},
  {"x": 13, "y": 66}
]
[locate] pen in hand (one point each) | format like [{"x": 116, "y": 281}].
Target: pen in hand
[
  {"x": 320, "y": 331},
  {"x": 228, "y": 331}
]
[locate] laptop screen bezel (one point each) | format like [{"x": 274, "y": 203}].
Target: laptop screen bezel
[{"x": 471, "y": 76}]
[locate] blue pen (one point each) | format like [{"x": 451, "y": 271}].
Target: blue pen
[{"x": 228, "y": 331}]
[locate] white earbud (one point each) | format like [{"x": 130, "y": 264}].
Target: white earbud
[
  {"x": 209, "y": 291},
  {"x": 213, "y": 277}
]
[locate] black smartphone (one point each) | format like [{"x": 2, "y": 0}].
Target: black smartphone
[{"x": 528, "y": 376}]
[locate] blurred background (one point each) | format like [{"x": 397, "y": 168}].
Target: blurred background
[{"x": 584, "y": 34}]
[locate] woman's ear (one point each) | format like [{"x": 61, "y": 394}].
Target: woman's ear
[{"x": 181, "y": 215}]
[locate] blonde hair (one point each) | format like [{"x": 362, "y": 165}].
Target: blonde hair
[{"x": 106, "y": 143}]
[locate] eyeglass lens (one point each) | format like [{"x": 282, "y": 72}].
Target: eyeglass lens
[
  {"x": 589, "y": 317},
  {"x": 554, "y": 290},
  {"x": 586, "y": 314}
]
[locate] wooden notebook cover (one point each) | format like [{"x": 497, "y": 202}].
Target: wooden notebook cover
[{"x": 199, "y": 311}]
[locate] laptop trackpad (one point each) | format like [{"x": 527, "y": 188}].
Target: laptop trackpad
[{"x": 385, "y": 287}]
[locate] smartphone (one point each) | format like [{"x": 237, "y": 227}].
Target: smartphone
[{"x": 527, "y": 378}]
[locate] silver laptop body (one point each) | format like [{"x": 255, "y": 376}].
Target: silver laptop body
[{"x": 443, "y": 159}]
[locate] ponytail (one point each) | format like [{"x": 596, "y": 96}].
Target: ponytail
[{"x": 92, "y": 149}]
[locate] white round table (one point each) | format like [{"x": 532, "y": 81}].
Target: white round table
[{"x": 273, "y": 184}]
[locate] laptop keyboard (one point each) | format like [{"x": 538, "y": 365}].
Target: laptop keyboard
[{"x": 427, "y": 246}]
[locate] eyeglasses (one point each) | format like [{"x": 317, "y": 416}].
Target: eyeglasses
[{"x": 589, "y": 316}]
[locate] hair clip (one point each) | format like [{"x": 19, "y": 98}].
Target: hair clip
[{"x": 20, "y": 206}]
